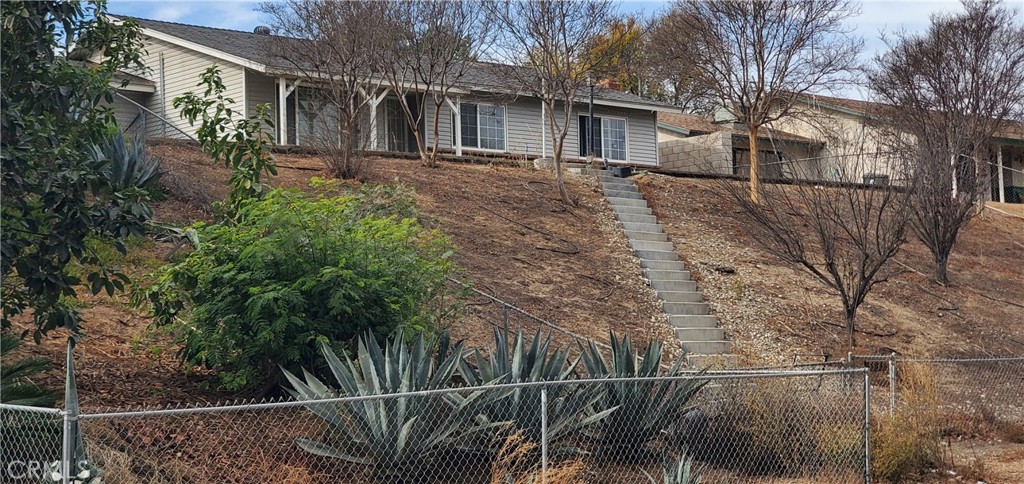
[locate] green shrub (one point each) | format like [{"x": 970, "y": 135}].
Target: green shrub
[{"x": 293, "y": 272}]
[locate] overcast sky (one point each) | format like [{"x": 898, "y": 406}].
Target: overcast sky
[{"x": 876, "y": 16}]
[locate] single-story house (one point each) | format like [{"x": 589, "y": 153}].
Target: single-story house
[
  {"x": 493, "y": 117},
  {"x": 701, "y": 144},
  {"x": 847, "y": 126}
]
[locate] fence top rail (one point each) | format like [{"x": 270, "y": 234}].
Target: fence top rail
[
  {"x": 938, "y": 360},
  {"x": 26, "y": 408},
  {"x": 688, "y": 376}
]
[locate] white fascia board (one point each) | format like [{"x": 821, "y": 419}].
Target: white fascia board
[{"x": 234, "y": 59}]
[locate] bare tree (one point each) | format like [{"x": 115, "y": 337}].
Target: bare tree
[
  {"x": 668, "y": 58},
  {"x": 329, "y": 44},
  {"x": 843, "y": 234},
  {"x": 760, "y": 57},
  {"x": 951, "y": 89},
  {"x": 544, "y": 46},
  {"x": 427, "y": 47}
]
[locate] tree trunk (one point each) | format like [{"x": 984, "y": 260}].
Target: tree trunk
[
  {"x": 755, "y": 176},
  {"x": 941, "y": 272},
  {"x": 850, "y": 314}
]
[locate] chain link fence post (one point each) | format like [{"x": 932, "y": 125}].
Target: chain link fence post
[
  {"x": 543, "y": 434},
  {"x": 867, "y": 426},
  {"x": 892, "y": 383},
  {"x": 67, "y": 446}
]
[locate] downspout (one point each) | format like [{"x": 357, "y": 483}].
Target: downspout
[{"x": 163, "y": 96}]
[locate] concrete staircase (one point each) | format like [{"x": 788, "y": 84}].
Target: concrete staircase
[{"x": 680, "y": 299}]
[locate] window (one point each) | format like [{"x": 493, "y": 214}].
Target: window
[
  {"x": 483, "y": 126},
  {"x": 609, "y": 138}
]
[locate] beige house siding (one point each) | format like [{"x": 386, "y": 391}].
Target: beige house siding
[
  {"x": 176, "y": 70},
  {"x": 852, "y": 147},
  {"x": 260, "y": 89},
  {"x": 523, "y": 135}
]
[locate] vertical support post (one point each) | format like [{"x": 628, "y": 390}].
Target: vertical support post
[
  {"x": 543, "y": 131},
  {"x": 67, "y": 444},
  {"x": 282, "y": 111},
  {"x": 892, "y": 383},
  {"x": 543, "y": 434},
  {"x": 867, "y": 426},
  {"x": 999, "y": 174},
  {"x": 590, "y": 125},
  {"x": 456, "y": 107}
]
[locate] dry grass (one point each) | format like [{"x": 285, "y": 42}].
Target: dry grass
[
  {"x": 517, "y": 463},
  {"x": 908, "y": 441}
]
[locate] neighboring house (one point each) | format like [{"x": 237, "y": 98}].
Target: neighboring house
[
  {"x": 492, "y": 119},
  {"x": 847, "y": 127},
  {"x": 700, "y": 144}
]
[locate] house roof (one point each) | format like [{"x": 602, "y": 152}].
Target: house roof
[
  {"x": 250, "y": 50},
  {"x": 697, "y": 125},
  {"x": 1011, "y": 129}
]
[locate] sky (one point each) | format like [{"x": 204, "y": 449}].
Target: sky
[{"x": 876, "y": 15}]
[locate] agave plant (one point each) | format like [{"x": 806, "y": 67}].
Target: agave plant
[
  {"x": 645, "y": 408},
  {"x": 399, "y": 437},
  {"x": 15, "y": 385},
  {"x": 129, "y": 165},
  {"x": 678, "y": 471},
  {"x": 570, "y": 406}
]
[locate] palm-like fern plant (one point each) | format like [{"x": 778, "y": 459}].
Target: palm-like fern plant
[
  {"x": 570, "y": 406},
  {"x": 399, "y": 437},
  {"x": 15, "y": 387},
  {"x": 645, "y": 408}
]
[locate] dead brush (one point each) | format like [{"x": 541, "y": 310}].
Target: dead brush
[
  {"x": 517, "y": 463},
  {"x": 909, "y": 440}
]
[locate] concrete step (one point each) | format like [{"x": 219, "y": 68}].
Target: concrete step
[
  {"x": 617, "y": 183},
  {"x": 652, "y": 236},
  {"x": 706, "y": 347},
  {"x": 657, "y": 255},
  {"x": 681, "y": 296},
  {"x": 623, "y": 194},
  {"x": 666, "y": 275},
  {"x": 700, "y": 334},
  {"x": 636, "y": 219},
  {"x": 663, "y": 265},
  {"x": 631, "y": 210},
  {"x": 693, "y": 321},
  {"x": 632, "y": 227},
  {"x": 663, "y": 285},
  {"x": 626, "y": 202},
  {"x": 685, "y": 308},
  {"x": 652, "y": 245}
]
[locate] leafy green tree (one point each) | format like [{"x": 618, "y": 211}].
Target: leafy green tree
[
  {"x": 241, "y": 145},
  {"x": 55, "y": 193},
  {"x": 294, "y": 271}
]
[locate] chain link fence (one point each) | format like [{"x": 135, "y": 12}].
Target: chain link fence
[{"x": 756, "y": 427}]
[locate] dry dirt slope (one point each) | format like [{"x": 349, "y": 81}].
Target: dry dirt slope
[
  {"x": 515, "y": 241},
  {"x": 774, "y": 311}
]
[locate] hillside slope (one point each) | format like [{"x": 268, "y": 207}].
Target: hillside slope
[{"x": 775, "y": 312}]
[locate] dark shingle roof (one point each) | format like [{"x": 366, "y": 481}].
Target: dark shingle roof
[{"x": 253, "y": 47}]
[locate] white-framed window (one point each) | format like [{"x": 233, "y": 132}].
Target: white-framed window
[
  {"x": 483, "y": 126},
  {"x": 609, "y": 137}
]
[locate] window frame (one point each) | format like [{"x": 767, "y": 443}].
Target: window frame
[
  {"x": 504, "y": 118},
  {"x": 600, "y": 118}
]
